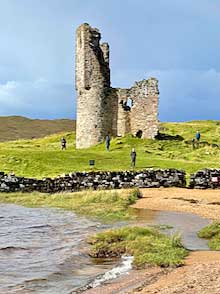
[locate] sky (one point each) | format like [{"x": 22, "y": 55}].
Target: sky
[{"x": 176, "y": 41}]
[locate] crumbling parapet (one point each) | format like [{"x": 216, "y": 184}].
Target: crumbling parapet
[{"x": 102, "y": 109}]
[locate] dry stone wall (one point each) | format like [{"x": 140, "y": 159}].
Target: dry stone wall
[
  {"x": 78, "y": 181},
  {"x": 204, "y": 179},
  {"x": 103, "y": 110}
]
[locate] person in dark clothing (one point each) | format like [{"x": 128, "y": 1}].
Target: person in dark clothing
[
  {"x": 133, "y": 157},
  {"x": 63, "y": 144},
  {"x": 107, "y": 142},
  {"x": 193, "y": 143},
  {"x": 198, "y": 136}
]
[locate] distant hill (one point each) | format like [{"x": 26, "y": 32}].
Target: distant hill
[{"x": 18, "y": 127}]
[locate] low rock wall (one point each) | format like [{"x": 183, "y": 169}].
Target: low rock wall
[
  {"x": 204, "y": 179},
  {"x": 77, "y": 181}
]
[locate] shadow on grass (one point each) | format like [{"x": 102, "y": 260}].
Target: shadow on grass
[{"x": 162, "y": 136}]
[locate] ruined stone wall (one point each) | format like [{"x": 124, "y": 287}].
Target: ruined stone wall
[
  {"x": 103, "y": 110},
  {"x": 140, "y": 117},
  {"x": 144, "y": 112},
  {"x": 123, "y": 121},
  {"x": 92, "y": 83}
]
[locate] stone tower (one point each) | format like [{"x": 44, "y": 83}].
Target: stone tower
[
  {"x": 92, "y": 83},
  {"x": 102, "y": 109}
]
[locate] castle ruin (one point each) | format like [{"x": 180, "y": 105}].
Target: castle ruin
[{"x": 103, "y": 110}]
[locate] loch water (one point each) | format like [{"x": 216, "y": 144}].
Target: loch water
[
  {"x": 184, "y": 223},
  {"x": 44, "y": 250}
]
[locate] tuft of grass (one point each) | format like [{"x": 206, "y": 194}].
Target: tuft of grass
[
  {"x": 147, "y": 245},
  {"x": 162, "y": 227},
  {"x": 108, "y": 205},
  {"x": 211, "y": 232}
]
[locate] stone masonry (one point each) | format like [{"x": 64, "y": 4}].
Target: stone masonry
[
  {"x": 103, "y": 110},
  {"x": 205, "y": 179},
  {"x": 77, "y": 181}
]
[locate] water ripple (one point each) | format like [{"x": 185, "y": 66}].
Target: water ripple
[{"x": 41, "y": 250}]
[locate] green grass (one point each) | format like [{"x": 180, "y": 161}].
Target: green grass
[
  {"x": 147, "y": 245},
  {"x": 104, "y": 205},
  {"x": 211, "y": 232},
  {"x": 43, "y": 157}
]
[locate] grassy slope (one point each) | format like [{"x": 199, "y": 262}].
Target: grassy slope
[
  {"x": 18, "y": 127},
  {"x": 43, "y": 157}
]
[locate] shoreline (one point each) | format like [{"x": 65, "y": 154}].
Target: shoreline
[{"x": 201, "y": 272}]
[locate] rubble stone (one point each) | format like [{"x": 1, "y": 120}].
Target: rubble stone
[
  {"x": 206, "y": 178},
  {"x": 78, "y": 181}
]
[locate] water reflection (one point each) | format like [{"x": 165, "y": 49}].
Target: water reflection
[{"x": 187, "y": 224}]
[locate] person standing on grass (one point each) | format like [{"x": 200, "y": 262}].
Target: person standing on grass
[
  {"x": 198, "y": 136},
  {"x": 63, "y": 144},
  {"x": 107, "y": 142},
  {"x": 133, "y": 157}
]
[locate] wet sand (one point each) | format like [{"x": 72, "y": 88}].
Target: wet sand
[
  {"x": 201, "y": 272},
  {"x": 205, "y": 203}
]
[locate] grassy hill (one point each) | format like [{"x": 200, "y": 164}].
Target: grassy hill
[
  {"x": 43, "y": 157},
  {"x": 18, "y": 127}
]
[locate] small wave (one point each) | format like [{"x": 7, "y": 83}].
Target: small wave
[
  {"x": 12, "y": 248},
  {"x": 114, "y": 273},
  {"x": 37, "y": 227}
]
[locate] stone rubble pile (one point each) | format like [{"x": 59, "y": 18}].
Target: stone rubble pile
[
  {"x": 204, "y": 179},
  {"x": 77, "y": 181}
]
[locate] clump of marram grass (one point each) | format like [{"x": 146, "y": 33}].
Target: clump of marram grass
[
  {"x": 106, "y": 205},
  {"x": 176, "y": 239},
  {"x": 211, "y": 232},
  {"x": 147, "y": 245}
]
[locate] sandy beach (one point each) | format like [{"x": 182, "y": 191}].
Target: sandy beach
[
  {"x": 201, "y": 272},
  {"x": 205, "y": 203}
]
